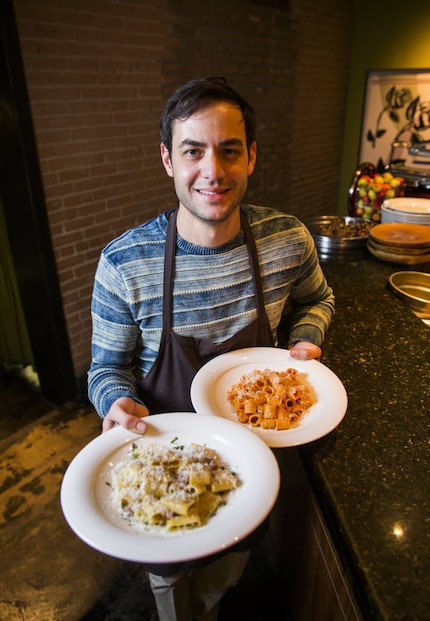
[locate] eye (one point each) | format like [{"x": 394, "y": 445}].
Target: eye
[
  {"x": 192, "y": 153},
  {"x": 232, "y": 152}
]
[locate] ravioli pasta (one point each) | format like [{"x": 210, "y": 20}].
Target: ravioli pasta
[
  {"x": 271, "y": 399},
  {"x": 177, "y": 488}
]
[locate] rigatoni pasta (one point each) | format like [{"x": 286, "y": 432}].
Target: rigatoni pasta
[
  {"x": 271, "y": 399},
  {"x": 176, "y": 488}
]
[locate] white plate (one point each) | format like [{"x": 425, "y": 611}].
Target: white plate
[
  {"x": 391, "y": 215},
  {"x": 85, "y": 494},
  {"x": 408, "y": 205},
  {"x": 214, "y": 379}
]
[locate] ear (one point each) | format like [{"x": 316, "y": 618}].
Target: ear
[
  {"x": 165, "y": 158},
  {"x": 252, "y": 158}
]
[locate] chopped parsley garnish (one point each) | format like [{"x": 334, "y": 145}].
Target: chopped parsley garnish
[{"x": 179, "y": 447}]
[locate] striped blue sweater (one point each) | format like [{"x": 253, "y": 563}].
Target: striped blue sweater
[{"x": 213, "y": 295}]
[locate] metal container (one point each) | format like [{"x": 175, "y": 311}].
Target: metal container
[
  {"x": 339, "y": 235},
  {"x": 414, "y": 289}
]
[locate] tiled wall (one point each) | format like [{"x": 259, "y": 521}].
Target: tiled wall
[{"x": 98, "y": 73}]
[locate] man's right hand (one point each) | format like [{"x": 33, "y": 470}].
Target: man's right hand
[{"x": 127, "y": 413}]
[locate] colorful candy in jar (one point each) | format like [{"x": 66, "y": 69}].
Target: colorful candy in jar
[{"x": 372, "y": 191}]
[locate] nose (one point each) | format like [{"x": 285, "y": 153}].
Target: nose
[{"x": 212, "y": 166}]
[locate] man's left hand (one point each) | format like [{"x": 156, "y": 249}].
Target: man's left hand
[{"x": 305, "y": 351}]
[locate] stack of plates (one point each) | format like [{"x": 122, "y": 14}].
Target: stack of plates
[
  {"x": 339, "y": 236},
  {"x": 398, "y": 242},
  {"x": 411, "y": 210}
]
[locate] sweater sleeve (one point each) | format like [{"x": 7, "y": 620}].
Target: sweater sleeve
[
  {"x": 114, "y": 339},
  {"x": 312, "y": 301}
]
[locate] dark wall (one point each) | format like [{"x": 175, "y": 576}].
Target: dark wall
[{"x": 98, "y": 74}]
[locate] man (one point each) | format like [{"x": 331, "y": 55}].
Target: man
[{"x": 210, "y": 277}]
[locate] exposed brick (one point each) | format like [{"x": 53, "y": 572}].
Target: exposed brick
[{"x": 98, "y": 74}]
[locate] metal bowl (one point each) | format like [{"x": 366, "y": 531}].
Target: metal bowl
[
  {"x": 413, "y": 288},
  {"x": 339, "y": 234}
]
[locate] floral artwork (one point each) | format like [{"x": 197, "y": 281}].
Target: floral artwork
[{"x": 396, "y": 116}]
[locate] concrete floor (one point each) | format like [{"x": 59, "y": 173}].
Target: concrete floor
[{"x": 46, "y": 572}]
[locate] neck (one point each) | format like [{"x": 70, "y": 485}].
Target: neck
[{"x": 209, "y": 234}]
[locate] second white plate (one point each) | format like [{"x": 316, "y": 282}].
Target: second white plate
[{"x": 214, "y": 379}]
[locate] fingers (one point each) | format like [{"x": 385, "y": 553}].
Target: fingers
[
  {"x": 305, "y": 351},
  {"x": 127, "y": 413}
]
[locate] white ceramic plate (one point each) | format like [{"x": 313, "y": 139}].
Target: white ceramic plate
[
  {"x": 408, "y": 205},
  {"x": 391, "y": 215},
  {"x": 85, "y": 493},
  {"x": 213, "y": 380}
]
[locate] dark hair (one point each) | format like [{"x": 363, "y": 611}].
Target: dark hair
[{"x": 199, "y": 94}]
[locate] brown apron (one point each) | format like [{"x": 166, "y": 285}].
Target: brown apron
[{"x": 166, "y": 388}]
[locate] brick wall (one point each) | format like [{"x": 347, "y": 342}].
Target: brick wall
[{"x": 98, "y": 73}]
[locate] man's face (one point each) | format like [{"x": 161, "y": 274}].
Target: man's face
[{"x": 209, "y": 161}]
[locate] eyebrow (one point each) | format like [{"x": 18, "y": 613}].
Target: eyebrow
[{"x": 188, "y": 142}]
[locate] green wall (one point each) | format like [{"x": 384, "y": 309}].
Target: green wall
[{"x": 388, "y": 34}]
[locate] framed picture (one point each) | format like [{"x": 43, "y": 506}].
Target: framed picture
[{"x": 396, "y": 115}]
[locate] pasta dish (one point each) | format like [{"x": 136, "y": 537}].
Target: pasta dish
[
  {"x": 177, "y": 488},
  {"x": 271, "y": 399}
]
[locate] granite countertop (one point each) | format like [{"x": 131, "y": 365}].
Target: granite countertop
[{"x": 371, "y": 475}]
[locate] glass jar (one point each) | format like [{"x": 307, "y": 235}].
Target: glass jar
[{"x": 369, "y": 189}]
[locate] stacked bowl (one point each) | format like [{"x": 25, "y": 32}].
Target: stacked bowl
[
  {"x": 408, "y": 209},
  {"x": 400, "y": 242}
]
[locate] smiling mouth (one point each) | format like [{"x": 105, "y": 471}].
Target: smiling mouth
[{"x": 217, "y": 192}]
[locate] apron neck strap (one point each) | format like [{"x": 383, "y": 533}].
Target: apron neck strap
[
  {"x": 255, "y": 266},
  {"x": 169, "y": 272}
]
